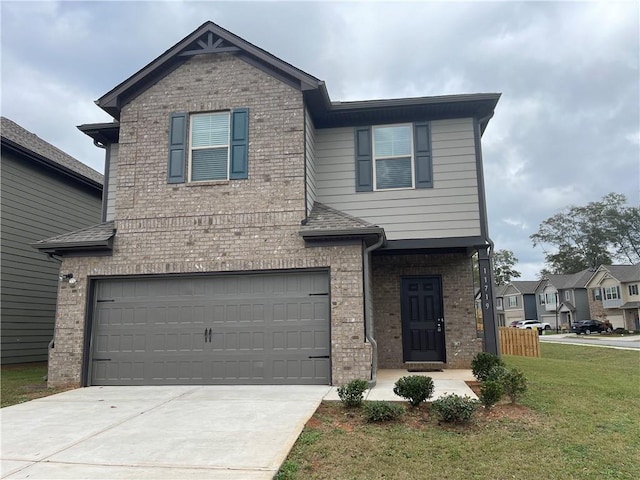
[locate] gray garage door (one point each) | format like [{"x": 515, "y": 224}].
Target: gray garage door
[{"x": 232, "y": 329}]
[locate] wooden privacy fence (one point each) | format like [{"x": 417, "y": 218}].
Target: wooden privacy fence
[{"x": 519, "y": 341}]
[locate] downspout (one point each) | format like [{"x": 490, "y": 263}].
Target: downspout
[{"x": 368, "y": 308}]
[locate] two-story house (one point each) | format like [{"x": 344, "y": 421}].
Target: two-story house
[
  {"x": 257, "y": 232},
  {"x": 516, "y": 301},
  {"x": 44, "y": 192},
  {"x": 614, "y": 295},
  {"x": 563, "y": 299}
]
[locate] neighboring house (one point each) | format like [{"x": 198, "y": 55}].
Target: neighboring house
[
  {"x": 563, "y": 299},
  {"x": 614, "y": 295},
  {"x": 516, "y": 301},
  {"x": 256, "y": 232},
  {"x": 44, "y": 192}
]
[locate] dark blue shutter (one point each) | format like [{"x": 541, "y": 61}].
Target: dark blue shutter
[
  {"x": 364, "y": 165},
  {"x": 177, "y": 148},
  {"x": 422, "y": 155},
  {"x": 239, "y": 143}
]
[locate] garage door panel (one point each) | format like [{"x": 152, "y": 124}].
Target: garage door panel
[{"x": 253, "y": 329}]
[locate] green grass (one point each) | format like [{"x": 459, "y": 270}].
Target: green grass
[
  {"x": 581, "y": 421},
  {"x": 21, "y": 383}
]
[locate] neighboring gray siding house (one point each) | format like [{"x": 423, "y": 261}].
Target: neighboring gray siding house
[
  {"x": 256, "y": 232},
  {"x": 563, "y": 299},
  {"x": 45, "y": 192},
  {"x": 614, "y": 295},
  {"x": 516, "y": 301}
]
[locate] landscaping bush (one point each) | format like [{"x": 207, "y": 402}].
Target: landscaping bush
[
  {"x": 514, "y": 383},
  {"x": 454, "y": 408},
  {"x": 491, "y": 392},
  {"x": 382, "y": 411},
  {"x": 482, "y": 364},
  {"x": 415, "y": 388},
  {"x": 351, "y": 394},
  {"x": 497, "y": 373}
]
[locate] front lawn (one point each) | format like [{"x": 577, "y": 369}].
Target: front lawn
[
  {"x": 579, "y": 419},
  {"x": 24, "y": 382}
]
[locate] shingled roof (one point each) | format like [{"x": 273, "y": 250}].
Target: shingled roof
[
  {"x": 624, "y": 273},
  {"x": 95, "y": 237},
  {"x": 14, "y": 135},
  {"x": 324, "y": 221}
]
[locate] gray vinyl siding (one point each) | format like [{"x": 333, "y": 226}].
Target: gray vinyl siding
[
  {"x": 449, "y": 209},
  {"x": 36, "y": 204},
  {"x": 581, "y": 296},
  {"x": 310, "y": 155},
  {"x": 112, "y": 182},
  {"x": 530, "y": 310}
]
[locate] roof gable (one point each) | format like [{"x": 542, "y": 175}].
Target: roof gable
[
  {"x": 209, "y": 38},
  {"x": 620, "y": 273}
]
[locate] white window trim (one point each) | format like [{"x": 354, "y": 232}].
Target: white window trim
[
  {"x": 227, "y": 146},
  {"x": 567, "y": 295},
  {"x": 633, "y": 289},
  {"x": 374, "y": 158},
  {"x": 499, "y": 303},
  {"x": 515, "y": 301},
  {"x": 613, "y": 291}
]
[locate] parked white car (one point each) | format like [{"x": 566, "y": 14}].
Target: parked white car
[{"x": 530, "y": 324}]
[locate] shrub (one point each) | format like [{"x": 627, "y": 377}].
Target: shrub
[
  {"x": 482, "y": 364},
  {"x": 414, "y": 388},
  {"x": 382, "y": 411},
  {"x": 491, "y": 392},
  {"x": 454, "y": 408},
  {"x": 497, "y": 373},
  {"x": 514, "y": 384},
  {"x": 351, "y": 394}
]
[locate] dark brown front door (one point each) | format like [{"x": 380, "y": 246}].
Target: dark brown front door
[{"x": 422, "y": 319}]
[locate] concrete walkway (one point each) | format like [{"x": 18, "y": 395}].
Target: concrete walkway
[
  {"x": 445, "y": 382},
  {"x": 172, "y": 432}
]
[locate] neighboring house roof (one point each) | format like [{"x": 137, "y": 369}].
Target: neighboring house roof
[
  {"x": 210, "y": 38},
  {"x": 96, "y": 237},
  {"x": 567, "y": 304},
  {"x": 574, "y": 280},
  {"x": 630, "y": 305},
  {"x": 526, "y": 287},
  {"x": 327, "y": 222},
  {"x": 624, "y": 273},
  {"x": 13, "y": 135},
  {"x": 621, "y": 273},
  {"x": 500, "y": 290}
]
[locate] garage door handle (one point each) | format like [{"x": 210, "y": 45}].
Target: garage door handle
[
  {"x": 319, "y": 356},
  {"x": 101, "y": 359}
]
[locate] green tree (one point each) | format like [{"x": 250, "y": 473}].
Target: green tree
[
  {"x": 504, "y": 262},
  {"x": 590, "y": 235}
]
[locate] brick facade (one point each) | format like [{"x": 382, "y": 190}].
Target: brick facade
[
  {"x": 461, "y": 342},
  {"x": 237, "y": 225}
]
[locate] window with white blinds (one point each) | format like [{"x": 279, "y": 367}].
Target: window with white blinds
[
  {"x": 393, "y": 157},
  {"x": 209, "y": 146}
]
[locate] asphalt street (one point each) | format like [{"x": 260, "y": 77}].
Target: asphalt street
[{"x": 632, "y": 342}]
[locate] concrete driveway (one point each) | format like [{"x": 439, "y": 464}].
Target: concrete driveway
[{"x": 168, "y": 432}]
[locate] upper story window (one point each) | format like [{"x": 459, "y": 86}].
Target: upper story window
[
  {"x": 551, "y": 298},
  {"x": 499, "y": 302},
  {"x": 567, "y": 295},
  {"x": 611, "y": 293},
  {"x": 209, "y": 146},
  {"x": 597, "y": 294},
  {"x": 633, "y": 289},
  {"x": 512, "y": 301},
  {"x": 393, "y": 157},
  {"x": 541, "y": 298}
]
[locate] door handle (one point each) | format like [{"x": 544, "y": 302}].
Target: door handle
[
  {"x": 209, "y": 335},
  {"x": 205, "y": 335}
]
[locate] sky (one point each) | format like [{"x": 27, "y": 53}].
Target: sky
[{"x": 565, "y": 132}]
